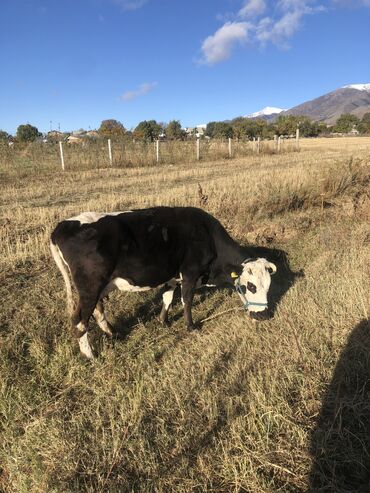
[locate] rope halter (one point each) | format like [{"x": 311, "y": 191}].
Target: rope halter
[{"x": 239, "y": 290}]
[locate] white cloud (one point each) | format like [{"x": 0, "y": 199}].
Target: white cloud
[
  {"x": 218, "y": 47},
  {"x": 280, "y": 30},
  {"x": 130, "y": 4},
  {"x": 140, "y": 91},
  {"x": 252, "y": 8},
  {"x": 284, "y": 19}
]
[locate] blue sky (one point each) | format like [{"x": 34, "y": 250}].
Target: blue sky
[{"x": 77, "y": 62}]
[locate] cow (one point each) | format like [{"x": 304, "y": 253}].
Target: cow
[{"x": 142, "y": 249}]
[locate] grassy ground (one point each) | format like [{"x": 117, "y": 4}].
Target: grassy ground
[{"x": 281, "y": 406}]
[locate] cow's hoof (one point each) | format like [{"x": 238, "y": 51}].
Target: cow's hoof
[
  {"x": 165, "y": 323},
  {"x": 109, "y": 333},
  {"x": 192, "y": 328}
]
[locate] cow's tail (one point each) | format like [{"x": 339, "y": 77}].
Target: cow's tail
[{"x": 64, "y": 269}]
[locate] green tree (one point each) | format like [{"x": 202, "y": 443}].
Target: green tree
[
  {"x": 239, "y": 127},
  {"x": 219, "y": 130},
  {"x": 223, "y": 130},
  {"x": 111, "y": 129},
  {"x": 309, "y": 128},
  {"x": 249, "y": 128},
  {"x": 209, "y": 132},
  {"x": 174, "y": 131},
  {"x": 364, "y": 126},
  {"x": 346, "y": 122},
  {"x": 323, "y": 129},
  {"x": 287, "y": 124},
  {"x": 4, "y": 136},
  {"x": 27, "y": 133},
  {"x": 147, "y": 130}
]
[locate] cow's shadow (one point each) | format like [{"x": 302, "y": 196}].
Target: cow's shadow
[
  {"x": 340, "y": 442},
  {"x": 151, "y": 307}
]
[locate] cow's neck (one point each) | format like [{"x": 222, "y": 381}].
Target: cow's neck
[
  {"x": 228, "y": 250},
  {"x": 231, "y": 253}
]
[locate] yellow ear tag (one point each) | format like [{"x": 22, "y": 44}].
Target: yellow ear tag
[{"x": 234, "y": 275}]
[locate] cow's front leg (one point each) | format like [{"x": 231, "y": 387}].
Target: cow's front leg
[
  {"x": 167, "y": 300},
  {"x": 187, "y": 288}
]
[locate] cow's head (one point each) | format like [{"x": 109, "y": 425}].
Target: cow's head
[{"x": 252, "y": 285}]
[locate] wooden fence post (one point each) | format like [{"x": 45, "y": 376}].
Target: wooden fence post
[
  {"x": 198, "y": 149},
  {"x": 110, "y": 152},
  {"x": 279, "y": 144},
  {"x": 61, "y": 154},
  {"x": 275, "y": 142},
  {"x": 230, "y": 150},
  {"x": 297, "y": 138},
  {"x": 258, "y": 144},
  {"x": 157, "y": 150}
]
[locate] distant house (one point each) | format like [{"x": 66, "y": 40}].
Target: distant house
[
  {"x": 75, "y": 139},
  {"x": 197, "y": 131},
  {"x": 201, "y": 130},
  {"x": 92, "y": 134},
  {"x": 55, "y": 135}
]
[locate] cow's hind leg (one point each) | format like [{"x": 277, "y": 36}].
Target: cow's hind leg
[
  {"x": 167, "y": 300},
  {"x": 80, "y": 325},
  {"x": 87, "y": 302},
  {"x": 99, "y": 316}
]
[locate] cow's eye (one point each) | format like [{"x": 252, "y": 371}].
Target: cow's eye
[{"x": 251, "y": 287}]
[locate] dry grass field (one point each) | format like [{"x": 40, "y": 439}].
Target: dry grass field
[{"x": 278, "y": 406}]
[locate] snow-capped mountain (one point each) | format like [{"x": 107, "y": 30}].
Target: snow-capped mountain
[
  {"x": 352, "y": 98},
  {"x": 359, "y": 87},
  {"x": 268, "y": 111}
]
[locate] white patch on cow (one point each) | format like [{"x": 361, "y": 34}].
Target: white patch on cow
[
  {"x": 167, "y": 298},
  {"x": 66, "y": 273},
  {"x": 85, "y": 347},
  {"x": 168, "y": 295},
  {"x": 93, "y": 217},
  {"x": 256, "y": 272},
  {"x": 124, "y": 285}
]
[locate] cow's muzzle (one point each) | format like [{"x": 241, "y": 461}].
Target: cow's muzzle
[{"x": 263, "y": 315}]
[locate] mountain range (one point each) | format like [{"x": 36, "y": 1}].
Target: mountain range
[{"x": 353, "y": 98}]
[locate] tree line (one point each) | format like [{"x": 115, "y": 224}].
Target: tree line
[{"x": 238, "y": 128}]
